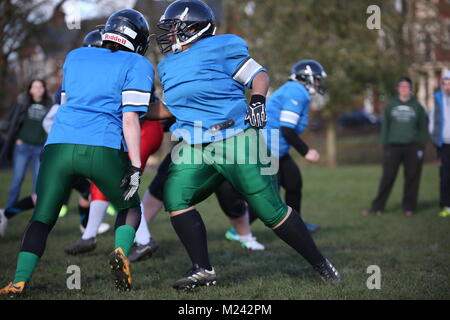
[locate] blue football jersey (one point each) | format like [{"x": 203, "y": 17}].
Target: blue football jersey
[
  {"x": 288, "y": 106},
  {"x": 98, "y": 87},
  {"x": 205, "y": 85}
]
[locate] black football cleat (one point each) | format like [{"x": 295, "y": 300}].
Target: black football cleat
[
  {"x": 196, "y": 277},
  {"x": 327, "y": 272}
]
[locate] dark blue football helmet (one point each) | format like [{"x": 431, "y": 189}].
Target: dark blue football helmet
[
  {"x": 311, "y": 74},
  {"x": 185, "y": 21}
]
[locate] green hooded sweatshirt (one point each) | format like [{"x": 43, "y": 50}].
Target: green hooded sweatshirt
[{"x": 404, "y": 122}]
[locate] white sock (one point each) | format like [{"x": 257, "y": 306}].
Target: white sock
[
  {"x": 143, "y": 235},
  {"x": 246, "y": 237},
  {"x": 97, "y": 212}
]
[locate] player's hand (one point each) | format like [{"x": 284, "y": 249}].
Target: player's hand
[
  {"x": 256, "y": 112},
  {"x": 131, "y": 182},
  {"x": 312, "y": 156}
]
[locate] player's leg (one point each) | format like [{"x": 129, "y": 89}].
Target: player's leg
[
  {"x": 20, "y": 206},
  {"x": 82, "y": 185},
  {"x": 290, "y": 178},
  {"x": 188, "y": 184},
  {"x": 145, "y": 245},
  {"x": 261, "y": 192},
  {"x": 97, "y": 211},
  {"x": 236, "y": 209},
  {"x": 109, "y": 167},
  {"x": 54, "y": 182},
  {"x": 151, "y": 139}
]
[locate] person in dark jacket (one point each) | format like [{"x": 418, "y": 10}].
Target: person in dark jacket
[
  {"x": 403, "y": 136},
  {"x": 440, "y": 134},
  {"x": 26, "y": 135}
]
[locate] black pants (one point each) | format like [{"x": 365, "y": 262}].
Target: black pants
[
  {"x": 289, "y": 177},
  {"x": 444, "y": 175},
  {"x": 394, "y": 155}
]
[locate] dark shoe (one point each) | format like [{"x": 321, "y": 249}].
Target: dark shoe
[
  {"x": 196, "y": 277},
  {"x": 81, "y": 246},
  {"x": 143, "y": 251},
  {"x": 327, "y": 272}
]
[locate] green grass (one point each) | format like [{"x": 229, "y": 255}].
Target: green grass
[{"x": 413, "y": 253}]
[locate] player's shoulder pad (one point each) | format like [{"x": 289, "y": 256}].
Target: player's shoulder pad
[
  {"x": 140, "y": 62},
  {"x": 297, "y": 90},
  {"x": 231, "y": 39}
]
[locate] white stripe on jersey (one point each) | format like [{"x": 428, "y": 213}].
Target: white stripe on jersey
[
  {"x": 135, "y": 98},
  {"x": 289, "y": 117},
  {"x": 63, "y": 97},
  {"x": 247, "y": 71}
]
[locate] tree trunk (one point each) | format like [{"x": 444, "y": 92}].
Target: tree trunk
[{"x": 331, "y": 149}]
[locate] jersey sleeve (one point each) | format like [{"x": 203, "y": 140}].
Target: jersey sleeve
[
  {"x": 238, "y": 62},
  {"x": 137, "y": 89},
  {"x": 295, "y": 111}
]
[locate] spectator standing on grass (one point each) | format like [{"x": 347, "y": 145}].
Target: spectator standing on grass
[
  {"x": 25, "y": 132},
  {"x": 439, "y": 127},
  {"x": 403, "y": 136}
]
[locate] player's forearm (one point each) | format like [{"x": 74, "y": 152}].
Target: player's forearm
[
  {"x": 260, "y": 84},
  {"x": 157, "y": 111},
  {"x": 132, "y": 134},
  {"x": 294, "y": 140}
]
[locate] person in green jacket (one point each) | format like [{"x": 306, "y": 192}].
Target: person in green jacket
[{"x": 404, "y": 133}]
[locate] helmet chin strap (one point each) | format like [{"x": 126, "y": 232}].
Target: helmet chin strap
[{"x": 178, "y": 46}]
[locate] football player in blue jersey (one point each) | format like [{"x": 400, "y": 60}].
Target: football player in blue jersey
[
  {"x": 204, "y": 80},
  {"x": 288, "y": 111},
  {"x": 104, "y": 92}
]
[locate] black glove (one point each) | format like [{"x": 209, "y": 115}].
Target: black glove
[
  {"x": 131, "y": 182},
  {"x": 256, "y": 112}
]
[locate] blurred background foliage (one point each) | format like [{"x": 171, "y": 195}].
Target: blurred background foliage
[{"x": 362, "y": 63}]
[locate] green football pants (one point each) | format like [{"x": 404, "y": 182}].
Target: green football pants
[
  {"x": 63, "y": 163},
  {"x": 197, "y": 170}
]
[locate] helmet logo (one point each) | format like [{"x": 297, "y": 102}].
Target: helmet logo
[
  {"x": 118, "y": 39},
  {"x": 184, "y": 14}
]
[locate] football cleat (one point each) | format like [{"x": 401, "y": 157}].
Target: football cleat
[
  {"x": 143, "y": 251},
  {"x": 81, "y": 246},
  {"x": 196, "y": 277},
  {"x": 232, "y": 235},
  {"x": 13, "y": 289},
  {"x": 3, "y": 222},
  {"x": 252, "y": 244},
  {"x": 120, "y": 269},
  {"x": 327, "y": 272}
]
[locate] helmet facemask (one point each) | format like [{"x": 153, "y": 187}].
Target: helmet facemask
[
  {"x": 180, "y": 33},
  {"x": 313, "y": 82}
]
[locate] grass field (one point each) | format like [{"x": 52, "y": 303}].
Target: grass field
[{"x": 412, "y": 253}]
